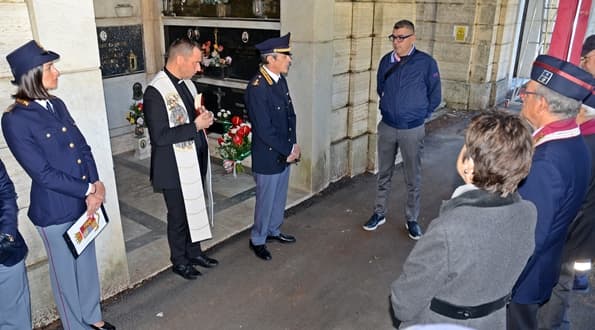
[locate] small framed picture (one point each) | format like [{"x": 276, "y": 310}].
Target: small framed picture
[{"x": 84, "y": 230}]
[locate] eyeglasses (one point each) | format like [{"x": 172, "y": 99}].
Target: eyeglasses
[
  {"x": 393, "y": 37},
  {"x": 523, "y": 92}
]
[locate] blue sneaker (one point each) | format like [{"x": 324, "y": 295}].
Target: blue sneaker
[
  {"x": 581, "y": 283},
  {"x": 375, "y": 221},
  {"x": 414, "y": 230}
]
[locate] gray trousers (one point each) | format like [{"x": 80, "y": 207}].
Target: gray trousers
[
  {"x": 75, "y": 282},
  {"x": 411, "y": 144},
  {"x": 15, "y": 303},
  {"x": 271, "y": 195},
  {"x": 554, "y": 313}
]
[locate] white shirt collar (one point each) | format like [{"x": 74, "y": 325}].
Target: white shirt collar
[
  {"x": 43, "y": 103},
  {"x": 275, "y": 77}
]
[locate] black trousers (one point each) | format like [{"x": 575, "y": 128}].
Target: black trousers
[
  {"x": 178, "y": 235},
  {"x": 521, "y": 316}
]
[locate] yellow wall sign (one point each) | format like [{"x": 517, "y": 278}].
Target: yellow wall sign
[{"x": 460, "y": 33}]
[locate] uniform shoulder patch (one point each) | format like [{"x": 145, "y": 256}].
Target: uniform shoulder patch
[
  {"x": 256, "y": 81},
  {"x": 22, "y": 102}
]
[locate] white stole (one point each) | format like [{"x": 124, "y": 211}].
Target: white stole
[{"x": 197, "y": 212}]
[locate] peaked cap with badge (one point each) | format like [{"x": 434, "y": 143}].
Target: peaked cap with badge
[{"x": 275, "y": 45}]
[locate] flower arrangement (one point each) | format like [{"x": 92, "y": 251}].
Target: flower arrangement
[
  {"x": 234, "y": 145},
  {"x": 212, "y": 53},
  {"x": 135, "y": 115}
]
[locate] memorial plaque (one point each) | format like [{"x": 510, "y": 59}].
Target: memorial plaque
[{"x": 121, "y": 50}]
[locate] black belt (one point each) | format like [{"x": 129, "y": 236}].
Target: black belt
[{"x": 467, "y": 312}]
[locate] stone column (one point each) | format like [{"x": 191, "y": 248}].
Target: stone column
[{"x": 310, "y": 78}]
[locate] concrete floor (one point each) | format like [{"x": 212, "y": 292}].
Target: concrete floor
[{"x": 335, "y": 277}]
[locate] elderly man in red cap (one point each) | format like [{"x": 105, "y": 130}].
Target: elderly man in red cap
[{"x": 558, "y": 180}]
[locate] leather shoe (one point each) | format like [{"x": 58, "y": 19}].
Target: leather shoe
[
  {"x": 282, "y": 238},
  {"x": 105, "y": 326},
  {"x": 186, "y": 271},
  {"x": 204, "y": 261},
  {"x": 261, "y": 251}
]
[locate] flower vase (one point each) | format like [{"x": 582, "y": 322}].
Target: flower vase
[{"x": 139, "y": 131}]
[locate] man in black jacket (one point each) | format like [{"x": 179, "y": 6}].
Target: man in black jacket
[{"x": 173, "y": 123}]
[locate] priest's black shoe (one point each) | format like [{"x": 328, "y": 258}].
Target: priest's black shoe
[
  {"x": 283, "y": 238},
  {"x": 105, "y": 326},
  {"x": 261, "y": 251},
  {"x": 186, "y": 271},
  {"x": 204, "y": 261}
]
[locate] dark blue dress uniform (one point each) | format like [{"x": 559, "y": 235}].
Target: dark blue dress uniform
[
  {"x": 15, "y": 306},
  {"x": 51, "y": 149},
  {"x": 54, "y": 153},
  {"x": 273, "y": 120},
  {"x": 556, "y": 184}
]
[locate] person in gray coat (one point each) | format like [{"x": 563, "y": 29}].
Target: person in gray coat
[{"x": 463, "y": 270}]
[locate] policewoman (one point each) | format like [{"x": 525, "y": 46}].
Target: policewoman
[
  {"x": 47, "y": 143},
  {"x": 274, "y": 145}
]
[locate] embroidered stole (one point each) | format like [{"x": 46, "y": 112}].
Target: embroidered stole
[{"x": 197, "y": 212}]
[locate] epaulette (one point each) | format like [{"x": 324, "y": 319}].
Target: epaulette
[
  {"x": 22, "y": 102},
  {"x": 266, "y": 75},
  {"x": 256, "y": 81}
]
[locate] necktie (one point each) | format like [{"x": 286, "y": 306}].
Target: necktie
[{"x": 50, "y": 107}]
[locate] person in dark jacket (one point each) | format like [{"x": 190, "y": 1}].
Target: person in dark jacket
[
  {"x": 274, "y": 143},
  {"x": 408, "y": 84},
  {"x": 47, "y": 143},
  {"x": 15, "y": 304},
  {"x": 580, "y": 240},
  {"x": 179, "y": 153},
  {"x": 558, "y": 180}
]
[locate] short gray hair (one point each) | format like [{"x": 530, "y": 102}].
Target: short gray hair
[{"x": 560, "y": 105}]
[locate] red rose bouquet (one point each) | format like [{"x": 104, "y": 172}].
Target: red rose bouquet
[{"x": 234, "y": 145}]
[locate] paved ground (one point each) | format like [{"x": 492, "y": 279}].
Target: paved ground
[{"x": 335, "y": 277}]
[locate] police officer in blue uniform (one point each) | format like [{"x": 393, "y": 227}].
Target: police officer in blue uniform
[
  {"x": 274, "y": 144},
  {"x": 15, "y": 305},
  {"x": 47, "y": 143}
]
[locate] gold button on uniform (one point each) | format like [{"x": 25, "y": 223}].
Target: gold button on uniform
[
  {"x": 63, "y": 129},
  {"x": 71, "y": 145},
  {"x": 78, "y": 161}
]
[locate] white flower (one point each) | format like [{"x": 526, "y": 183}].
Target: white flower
[
  {"x": 228, "y": 60},
  {"x": 233, "y": 130},
  {"x": 140, "y": 121},
  {"x": 225, "y": 115}
]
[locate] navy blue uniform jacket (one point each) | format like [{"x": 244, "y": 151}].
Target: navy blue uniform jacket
[
  {"x": 54, "y": 153},
  {"x": 273, "y": 119},
  {"x": 410, "y": 93},
  {"x": 8, "y": 218},
  {"x": 557, "y": 184}
]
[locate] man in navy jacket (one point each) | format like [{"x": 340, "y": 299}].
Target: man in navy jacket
[
  {"x": 558, "y": 179},
  {"x": 274, "y": 144},
  {"x": 408, "y": 84}
]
